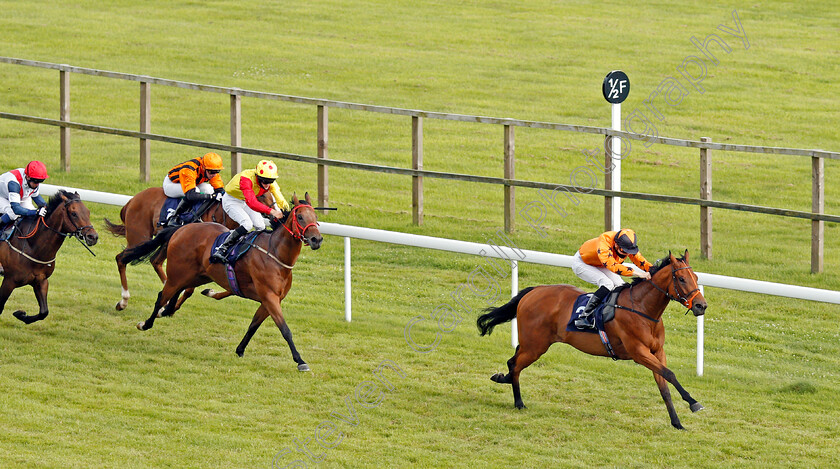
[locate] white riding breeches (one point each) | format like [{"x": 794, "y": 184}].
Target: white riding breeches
[
  {"x": 600, "y": 276},
  {"x": 174, "y": 189},
  {"x": 239, "y": 212}
]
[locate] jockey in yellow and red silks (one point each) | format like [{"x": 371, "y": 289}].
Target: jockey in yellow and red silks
[
  {"x": 20, "y": 190},
  {"x": 599, "y": 262},
  {"x": 241, "y": 204}
]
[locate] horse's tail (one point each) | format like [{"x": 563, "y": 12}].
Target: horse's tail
[
  {"x": 495, "y": 316},
  {"x": 145, "y": 251},
  {"x": 116, "y": 230}
]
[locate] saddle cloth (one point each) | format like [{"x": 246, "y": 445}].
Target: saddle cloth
[
  {"x": 604, "y": 313},
  {"x": 237, "y": 250},
  {"x": 169, "y": 206}
]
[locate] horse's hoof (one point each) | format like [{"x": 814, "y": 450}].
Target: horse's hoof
[
  {"x": 696, "y": 407},
  {"x": 240, "y": 353},
  {"x": 498, "y": 378},
  {"x": 20, "y": 315},
  {"x": 141, "y": 325},
  {"x": 520, "y": 406},
  {"x": 678, "y": 426},
  {"x": 120, "y": 306},
  {"x": 303, "y": 367},
  {"x": 207, "y": 292}
]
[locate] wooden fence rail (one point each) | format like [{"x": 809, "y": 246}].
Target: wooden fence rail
[{"x": 705, "y": 145}]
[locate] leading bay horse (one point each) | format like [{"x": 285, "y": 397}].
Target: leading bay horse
[
  {"x": 263, "y": 274},
  {"x": 28, "y": 257},
  {"x": 140, "y": 217},
  {"x": 636, "y": 333}
]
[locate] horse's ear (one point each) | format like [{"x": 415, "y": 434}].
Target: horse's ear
[
  {"x": 671, "y": 256},
  {"x": 685, "y": 256},
  {"x": 295, "y": 200},
  {"x": 308, "y": 200}
]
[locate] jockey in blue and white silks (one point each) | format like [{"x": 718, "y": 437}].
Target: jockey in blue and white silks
[{"x": 19, "y": 192}]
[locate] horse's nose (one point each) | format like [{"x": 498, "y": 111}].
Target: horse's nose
[
  {"x": 315, "y": 242},
  {"x": 699, "y": 309},
  {"x": 91, "y": 238}
]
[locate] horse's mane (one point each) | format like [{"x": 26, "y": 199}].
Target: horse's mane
[
  {"x": 664, "y": 262},
  {"x": 280, "y": 221},
  {"x": 58, "y": 199}
]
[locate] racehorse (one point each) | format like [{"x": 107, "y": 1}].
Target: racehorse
[
  {"x": 636, "y": 333},
  {"x": 263, "y": 274},
  {"x": 28, "y": 257},
  {"x": 140, "y": 217}
]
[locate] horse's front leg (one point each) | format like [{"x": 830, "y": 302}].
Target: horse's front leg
[
  {"x": 276, "y": 313},
  {"x": 259, "y": 317},
  {"x": 643, "y": 356},
  {"x": 6, "y": 289},
  {"x": 217, "y": 295},
  {"x": 125, "y": 295},
  {"x": 40, "y": 289}
]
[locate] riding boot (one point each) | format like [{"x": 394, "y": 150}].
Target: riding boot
[
  {"x": 221, "y": 252},
  {"x": 584, "y": 321},
  {"x": 174, "y": 219}
]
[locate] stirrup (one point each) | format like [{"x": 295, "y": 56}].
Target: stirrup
[{"x": 220, "y": 254}]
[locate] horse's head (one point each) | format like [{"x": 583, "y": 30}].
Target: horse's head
[
  {"x": 67, "y": 214},
  {"x": 675, "y": 277},
  {"x": 303, "y": 223}
]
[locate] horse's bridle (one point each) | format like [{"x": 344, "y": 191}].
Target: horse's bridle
[
  {"x": 299, "y": 229},
  {"x": 683, "y": 299}
]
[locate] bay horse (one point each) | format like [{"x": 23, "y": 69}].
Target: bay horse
[
  {"x": 28, "y": 257},
  {"x": 140, "y": 217},
  {"x": 636, "y": 333},
  {"x": 263, "y": 274}
]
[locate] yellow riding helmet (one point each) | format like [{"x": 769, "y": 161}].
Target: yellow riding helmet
[
  {"x": 213, "y": 162},
  {"x": 266, "y": 170}
]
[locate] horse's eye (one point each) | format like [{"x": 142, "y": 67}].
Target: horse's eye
[{"x": 682, "y": 280}]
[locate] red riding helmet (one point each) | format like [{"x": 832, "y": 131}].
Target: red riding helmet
[{"x": 36, "y": 170}]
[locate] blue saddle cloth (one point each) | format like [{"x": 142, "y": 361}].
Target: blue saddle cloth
[
  {"x": 237, "y": 250},
  {"x": 580, "y": 304},
  {"x": 169, "y": 206}
]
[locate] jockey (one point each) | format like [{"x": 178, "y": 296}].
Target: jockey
[
  {"x": 599, "y": 262},
  {"x": 193, "y": 181},
  {"x": 241, "y": 204},
  {"x": 19, "y": 188}
]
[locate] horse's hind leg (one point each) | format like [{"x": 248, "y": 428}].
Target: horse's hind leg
[
  {"x": 217, "y": 295},
  {"x": 166, "y": 297},
  {"x": 528, "y": 351},
  {"x": 273, "y": 307},
  {"x": 40, "y": 289},
  {"x": 123, "y": 281},
  {"x": 187, "y": 293},
  {"x": 259, "y": 317}
]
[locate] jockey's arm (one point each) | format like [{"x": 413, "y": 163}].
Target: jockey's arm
[
  {"x": 14, "y": 201},
  {"x": 195, "y": 196},
  {"x": 640, "y": 261},
  {"x": 39, "y": 201},
  {"x": 251, "y": 201},
  {"x": 279, "y": 200}
]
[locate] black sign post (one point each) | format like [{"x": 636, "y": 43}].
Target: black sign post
[{"x": 616, "y": 87}]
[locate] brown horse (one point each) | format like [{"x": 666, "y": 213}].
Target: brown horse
[
  {"x": 636, "y": 333},
  {"x": 28, "y": 257},
  {"x": 140, "y": 222},
  {"x": 263, "y": 274}
]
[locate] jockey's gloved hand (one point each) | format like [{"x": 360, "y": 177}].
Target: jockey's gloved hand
[
  {"x": 42, "y": 211},
  {"x": 218, "y": 195},
  {"x": 220, "y": 190}
]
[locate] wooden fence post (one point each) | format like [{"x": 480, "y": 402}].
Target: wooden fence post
[
  {"x": 417, "y": 163},
  {"x": 323, "y": 173},
  {"x": 64, "y": 116},
  {"x": 705, "y": 194},
  {"x": 817, "y": 206},
  {"x": 235, "y": 133},
  {"x": 145, "y": 127},
  {"x": 510, "y": 191}
]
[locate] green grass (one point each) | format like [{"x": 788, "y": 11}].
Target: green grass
[{"x": 84, "y": 388}]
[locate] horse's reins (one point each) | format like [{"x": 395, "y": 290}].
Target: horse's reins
[
  {"x": 297, "y": 234},
  {"x": 682, "y": 299},
  {"x": 42, "y": 220}
]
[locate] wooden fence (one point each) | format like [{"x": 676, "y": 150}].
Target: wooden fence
[{"x": 322, "y": 161}]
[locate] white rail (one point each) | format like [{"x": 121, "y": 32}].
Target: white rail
[{"x": 511, "y": 255}]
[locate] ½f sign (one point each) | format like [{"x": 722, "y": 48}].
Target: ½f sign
[{"x": 616, "y": 87}]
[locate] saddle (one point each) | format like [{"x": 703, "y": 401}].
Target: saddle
[
  {"x": 604, "y": 313},
  {"x": 237, "y": 250},
  {"x": 169, "y": 206},
  {"x": 8, "y": 229}
]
